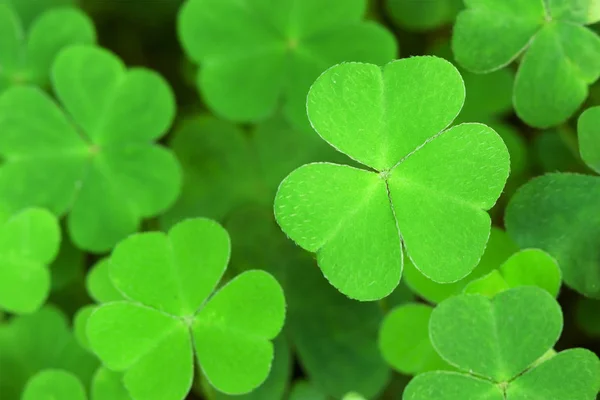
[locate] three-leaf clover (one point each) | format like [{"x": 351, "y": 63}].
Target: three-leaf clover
[
  {"x": 254, "y": 55},
  {"x": 92, "y": 156},
  {"x": 426, "y": 189},
  {"x": 27, "y": 53},
  {"x": 504, "y": 346},
  {"x": 560, "y": 213},
  {"x": 561, "y": 57},
  {"x": 168, "y": 317},
  {"x": 29, "y": 241}
]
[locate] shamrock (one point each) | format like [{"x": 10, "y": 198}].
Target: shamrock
[
  {"x": 29, "y": 241},
  {"x": 53, "y": 384},
  {"x": 427, "y": 187},
  {"x": 560, "y": 213},
  {"x": 95, "y": 160},
  {"x": 36, "y": 342},
  {"x": 167, "y": 315},
  {"x": 529, "y": 267},
  {"x": 254, "y": 55},
  {"x": 27, "y": 52},
  {"x": 503, "y": 346},
  {"x": 561, "y": 57}
]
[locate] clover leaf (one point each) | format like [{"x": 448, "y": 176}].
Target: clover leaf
[
  {"x": 561, "y": 57},
  {"x": 404, "y": 340},
  {"x": 254, "y": 56},
  {"x": 275, "y": 386},
  {"x": 503, "y": 345},
  {"x": 168, "y": 316},
  {"x": 499, "y": 248},
  {"x": 29, "y": 241},
  {"x": 529, "y": 267},
  {"x": 29, "y": 10},
  {"x": 108, "y": 385},
  {"x": 560, "y": 214},
  {"x": 95, "y": 160},
  {"x": 226, "y": 168},
  {"x": 423, "y": 15},
  {"x": 304, "y": 390},
  {"x": 36, "y": 342},
  {"x": 52, "y": 384},
  {"x": 427, "y": 188},
  {"x": 26, "y": 56},
  {"x": 335, "y": 338}
]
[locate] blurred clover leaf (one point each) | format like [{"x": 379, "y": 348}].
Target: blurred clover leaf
[
  {"x": 427, "y": 188},
  {"x": 54, "y": 384},
  {"x": 561, "y": 57},
  {"x": 335, "y": 338},
  {"x": 255, "y": 55},
  {"x": 26, "y": 54},
  {"x": 108, "y": 385},
  {"x": 404, "y": 340},
  {"x": 504, "y": 346},
  {"x": 95, "y": 160},
  {"x": 499, "y": 248},
  {"x": 29, "y": 242},
  {"x": 529, "y": 267},
  {"x": 29, "y": 10},
  {"x": 560, "y": 214},
  {"x": 423, "y": 15},
  {"x": 36, "y": 342},
  {"x": 167, "y": 315},
  {"x": 226, "y": 168},
  {"x": 304, "y": 390}
]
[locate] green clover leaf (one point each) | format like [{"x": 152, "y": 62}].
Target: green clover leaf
[
  {"x": 589, "y": 137},
  {"x": 29, "y": 10},
  {"x": 529, "y": 267},
  {"x": 168, "y": 316},
  {"x": 35, "y": 342},
  {"x": 404, "y": 340},
  {"x": 559, "y": 213},
  {"x": 26, "y": 55},
  {"x": 304, "y": 390},
  {"x": 96, "y": 161},
  {"x": 428, "y": 188},
  {"x": 499, "y": 248},
  {"x": 225, "y": 168},
  {"x": 504, "y": 346},
  {"x": 254, "y": 56},
  {"x": 334, "y": 337},
  {"x": 29, "y": 241},
  {"x": 108, "y": 385},
  {"x": 423, "y": 15},
  {"x": 54, "y": 384},
  {"x": 561, "y": 57}
]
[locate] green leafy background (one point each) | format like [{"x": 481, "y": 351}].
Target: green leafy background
[{"x": 120, "y": 117}]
